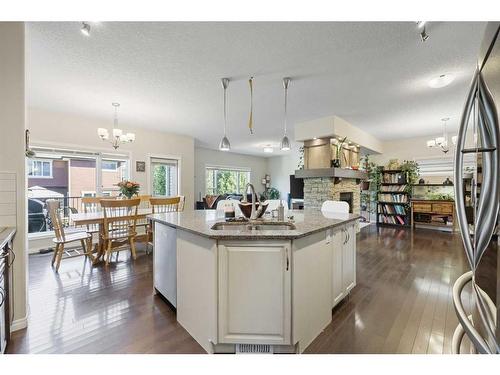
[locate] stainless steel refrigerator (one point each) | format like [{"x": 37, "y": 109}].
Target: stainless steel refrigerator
[{"x": 476, "y": 294}]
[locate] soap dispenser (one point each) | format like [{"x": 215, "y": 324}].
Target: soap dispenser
[{"x": 281, "y": 211}]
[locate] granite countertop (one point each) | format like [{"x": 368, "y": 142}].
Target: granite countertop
[
  {"x": 201, "y": 221},
  {"x": 6, "y": 234}
]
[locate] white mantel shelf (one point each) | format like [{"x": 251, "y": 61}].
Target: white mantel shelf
[{"x": 331, "y": 172}]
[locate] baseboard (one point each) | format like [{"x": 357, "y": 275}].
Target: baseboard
[{"x": 19, "y": 324}]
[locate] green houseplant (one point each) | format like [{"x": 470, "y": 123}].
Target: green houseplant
[
  {"x": 411, "y": 171},
  {"x": 338, "y": 152},
  {"x": 271, "y": 193}
]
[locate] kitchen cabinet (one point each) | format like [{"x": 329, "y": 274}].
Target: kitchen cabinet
[
  {"x": 343, "y": 248},
  {"x": 338, "y": 291},
  {"x": 349, "y": 259},
  {"x": 255, "y": 292},
  {"x": 6, "y": 259}
]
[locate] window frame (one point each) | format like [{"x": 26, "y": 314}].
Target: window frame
[
  {"x": 230, "y": 169},
  {"x": 40, "y": 160},
  {"x": 151, "y": 159}
]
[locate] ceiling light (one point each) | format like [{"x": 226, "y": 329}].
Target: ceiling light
[
  {"x": 315, "y": 138},
  {"x": 117, "y": 135},
  {"x": 85, "y": 29},
  {"x": 441, "y": 81},
  {"x": 224, "y": 144},
  {"x": 421, "y": 24},
  {"x": 268, "y": 149},
  {"x": 442, "y": 142},
  {"x": 423, "y": 35},
  {"x": 285, "y": 142}
]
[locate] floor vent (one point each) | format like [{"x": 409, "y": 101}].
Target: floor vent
[{"x": 254, "y": 348}]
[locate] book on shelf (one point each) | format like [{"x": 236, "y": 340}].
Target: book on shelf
[
  {"x": 397, "y": 198},
  {"x": 391, "y": 209},
  {"x": 393, "y": 178},
  {"x": 397, "y": 220},
  {"x": 392, "y": 188}
]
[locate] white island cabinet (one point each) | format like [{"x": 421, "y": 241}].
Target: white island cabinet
[{"x": 243, "y": 289}]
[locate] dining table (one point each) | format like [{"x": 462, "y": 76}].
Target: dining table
[{"x": 97, "y": 218}]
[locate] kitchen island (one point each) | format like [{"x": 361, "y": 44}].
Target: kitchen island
[{"x": 260, "y": 286}]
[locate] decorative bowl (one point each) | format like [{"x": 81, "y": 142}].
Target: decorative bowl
[{"x": 246, "y": 208}]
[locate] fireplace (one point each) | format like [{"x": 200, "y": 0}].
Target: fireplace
[{"x": 347, "y": 197}]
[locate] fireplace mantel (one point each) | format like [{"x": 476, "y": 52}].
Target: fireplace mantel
[{"x": 331, "y": 172}]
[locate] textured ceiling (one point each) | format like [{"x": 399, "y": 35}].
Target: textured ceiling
[{"x": 167, "y": 75}]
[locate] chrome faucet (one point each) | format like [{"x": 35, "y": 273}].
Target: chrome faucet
[{"x": 255, "y": 212}]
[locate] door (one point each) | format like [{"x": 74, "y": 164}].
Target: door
[
  {"x": 164, "y": 177},
  {"x": 255, "y": 293},
  {"x": 349, "y": 259},
  {"x": 337, "y": 281}
]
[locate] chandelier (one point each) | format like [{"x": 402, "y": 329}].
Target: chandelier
[
  {"x": 442, "y": 142},
  {"x": 118, "y": 137}
]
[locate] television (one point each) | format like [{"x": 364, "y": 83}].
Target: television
[{"x": 296, "y": 187}]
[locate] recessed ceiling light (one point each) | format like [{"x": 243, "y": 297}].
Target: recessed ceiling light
[
  {"x": 441, "y": 81},
  {"x": 268, "y": 149},
  {"x": 85, "y": 29},
  {"x": 315, "y": 138}
]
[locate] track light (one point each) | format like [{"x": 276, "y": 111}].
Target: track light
[
  {"x": 421, "y": 24},
  {"x": 423, "y": 35},
  {"x": 85, "y": 29}
]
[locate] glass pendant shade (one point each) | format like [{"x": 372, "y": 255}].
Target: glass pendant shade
[
  {"x": 285, "y": 144},
  {"x": 224, "y": 144}
]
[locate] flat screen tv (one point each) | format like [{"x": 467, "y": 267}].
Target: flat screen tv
[{"x": 296, "y": 187}]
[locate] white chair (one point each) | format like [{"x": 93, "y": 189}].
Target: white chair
[
  {"x": 335, "y": 207},
  {"x": 273, "y": 204},
  {"x": 230, "y": 202}
]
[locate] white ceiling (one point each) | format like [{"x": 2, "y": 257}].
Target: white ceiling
[{"x": 167, "y": 75}]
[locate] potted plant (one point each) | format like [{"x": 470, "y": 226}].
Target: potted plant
[
  {"x": 271, "y": 193},
  {"x": 338, "y": 152},
  {"x": 128, "y": 188},
  {"x": 411, "y": 172}
]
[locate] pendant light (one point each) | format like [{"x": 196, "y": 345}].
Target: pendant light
[
  {"x": 285, "y": 142},
  {"x": 224, "y": 143}
]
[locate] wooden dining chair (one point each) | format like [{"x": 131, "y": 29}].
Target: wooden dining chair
[
  {"x": 62, "y": 238},
  {"x": 91, "y": 205},
  {"x": 161, "y": 205},
  {"x": 119, "y": 225}
]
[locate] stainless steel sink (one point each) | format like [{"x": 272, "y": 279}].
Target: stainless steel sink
[{"x": 253, "y": 226}]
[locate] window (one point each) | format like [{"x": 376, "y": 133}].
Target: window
[
  {"x": 40, "y": 168},
  {"x": 222, "y": 180},
  {"x": 109, "y": 165},
  {"x": 442, "y": 166},
  {"x": 68, "y": 175},
  {"x": 164, "y": 177}
]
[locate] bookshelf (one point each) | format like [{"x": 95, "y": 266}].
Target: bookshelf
[{"x": 393, "y": 199}]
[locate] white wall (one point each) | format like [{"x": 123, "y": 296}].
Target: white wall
[
  {"x": 53, "y": 128},
  {"x": 12, "y": 118},
  {"x": 204, "y": 157},
  {"x": 280, "y": 168}
]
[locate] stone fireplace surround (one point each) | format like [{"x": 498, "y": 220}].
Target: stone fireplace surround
[{"x": 319, "y": 189}]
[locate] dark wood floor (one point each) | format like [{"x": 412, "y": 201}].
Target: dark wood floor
[{"x": 402, "y": 303}]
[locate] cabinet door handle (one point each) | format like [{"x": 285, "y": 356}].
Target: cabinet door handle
[
  {"x": 10, "y": 251},
  {"x": 287, "y": 259},
  {"x": 348, "y": 235}
]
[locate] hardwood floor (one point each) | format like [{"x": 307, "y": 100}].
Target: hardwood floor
[{"x": 401, "y": 304}]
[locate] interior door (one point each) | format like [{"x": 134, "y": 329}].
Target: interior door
[{"x": 255, "y": 293}]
